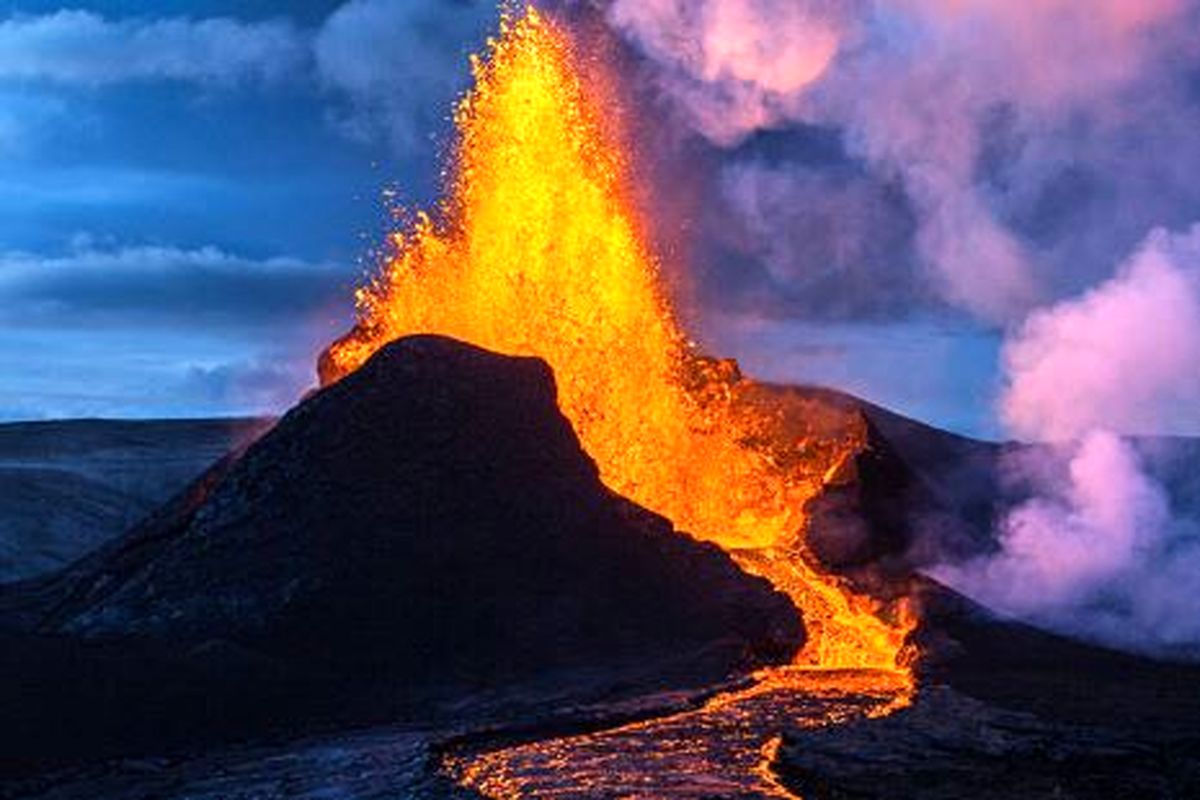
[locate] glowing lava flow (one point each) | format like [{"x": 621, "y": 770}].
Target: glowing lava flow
[{"x": 538, "y": 251}]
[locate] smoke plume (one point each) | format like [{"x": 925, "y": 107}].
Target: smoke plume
[
  {"x": 996, "y": 159},
  {"x": 1098, "y": 550},
  {"x": 736, "y": 66},
  {"x": 1033, "y": 142},
  {"x": 1123, "y": 356}
]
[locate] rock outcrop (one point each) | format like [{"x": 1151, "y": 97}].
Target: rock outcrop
[
  {"x": 427, "y": 526},
  {"x": 949, "y": 746}
]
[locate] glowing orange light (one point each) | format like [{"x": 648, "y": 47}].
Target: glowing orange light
[{"x": 538, "y": 250}]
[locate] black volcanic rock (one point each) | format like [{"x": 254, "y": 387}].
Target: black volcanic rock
[
  {"x": 429, "y": 521},
  {"x": 948, "y": 746},
  {"x": 1007, "y": 711},
  {"x": 435, "y": 512}
]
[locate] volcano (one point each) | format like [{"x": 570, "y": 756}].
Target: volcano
[
  {"x": 425, "y": 529},
  {"x": 539, "y": 249},
  {"x": 423, "y": 548},
  {"x": 529, "y": 539}
]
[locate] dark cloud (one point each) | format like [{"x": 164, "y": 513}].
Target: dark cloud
[
  {"x": 107, "y": 330},
  {"x": 91, "y": 284},
  {"x": 832, "y": 241},
  {"x": 389, "y": 69}
]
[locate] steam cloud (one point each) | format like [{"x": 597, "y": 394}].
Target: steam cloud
[
  {"x": 1098, "y": 550},
  {"x": 1098, "y": 553},
  {"x": 1123, "y": 356},
  {"x": 1034, "y": 142},
  {"x": 737, "y": 66},
  {"x": 1019, "y": 151}
]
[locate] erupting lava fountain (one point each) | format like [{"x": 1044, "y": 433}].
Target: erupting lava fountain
[{"x": 538, "y": 250}]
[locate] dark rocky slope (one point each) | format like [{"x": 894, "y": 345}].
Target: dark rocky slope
[
  {"x": 1008, "y": 711},
  {"x": 949, "y": 746},
  {"x": 426, "y": 528}
]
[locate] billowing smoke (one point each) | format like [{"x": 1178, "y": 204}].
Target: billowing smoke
[
  {"x": 737, "y": 66},
  {"x": 1034, "y": 142},
  {"x": 1124, "y": 356},
  {"x": 1099, "y": 550},
  {"x": 999, "y": 159}
]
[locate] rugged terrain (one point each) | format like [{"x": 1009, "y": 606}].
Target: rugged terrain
[
  {"x": 425, "y": 530},
  {"x": 415, "y": 579}
]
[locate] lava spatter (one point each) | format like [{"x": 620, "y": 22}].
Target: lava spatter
[{"x": 538, "y": 249}]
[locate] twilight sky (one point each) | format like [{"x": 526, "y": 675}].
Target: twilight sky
[{"x": 189, "y": 189}]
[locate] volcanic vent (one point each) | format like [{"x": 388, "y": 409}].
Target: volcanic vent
[
  {"x": 433, "y": 512},
  {"x": 538, "y": 250},
  {"x": 427, "y": 528}
]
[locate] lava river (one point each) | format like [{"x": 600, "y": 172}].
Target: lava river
[{"x": 539, "y": 249}]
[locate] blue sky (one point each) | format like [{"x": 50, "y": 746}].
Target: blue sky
[
  {"x": 184, "y": 210},
  {"x": 190, "y": 189}
]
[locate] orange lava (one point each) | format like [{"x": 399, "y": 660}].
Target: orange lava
[{"x": 538, "y": 250}]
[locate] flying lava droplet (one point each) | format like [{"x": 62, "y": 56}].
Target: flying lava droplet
[{"x": 539, "y": 249}]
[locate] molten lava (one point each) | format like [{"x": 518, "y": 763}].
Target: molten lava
[{"x": 538, "y": 250}]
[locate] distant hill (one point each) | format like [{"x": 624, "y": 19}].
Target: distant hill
[{"x": 66, "y": 487}]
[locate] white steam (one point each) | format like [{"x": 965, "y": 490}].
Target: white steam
[
  {"x": 736, "y": 66},
  {"x": 1125, "y": 356},
  {"x": 1033, "y": 144},
  {"x": 990, "y": 113},
  {"x": 1097, "y": 554},
  {"x": 1098, "y": 551}
]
